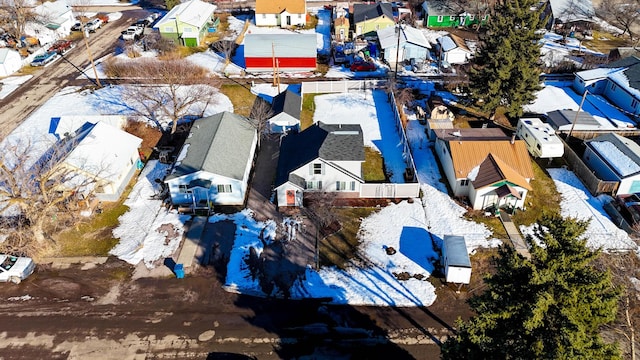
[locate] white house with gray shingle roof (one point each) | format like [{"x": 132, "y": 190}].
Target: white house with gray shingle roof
[
  {"x": 323, "y": 157},
  {"x": 215, "y": 161}
]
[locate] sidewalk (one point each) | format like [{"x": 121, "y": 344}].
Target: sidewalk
[{"x": 516, "y": 239}]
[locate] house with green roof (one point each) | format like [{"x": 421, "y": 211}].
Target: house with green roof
[
  {"x": 443, "y": 13},
  {"x": 214, "y": 163},
  {"x": 188, "y": 23},
  {"x": 322, "y": 158}
]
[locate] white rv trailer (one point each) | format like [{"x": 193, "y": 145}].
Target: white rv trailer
[{"x": 541, "y": 139}]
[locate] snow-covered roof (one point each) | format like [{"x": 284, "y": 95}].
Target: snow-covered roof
[
  {"x": 291, "y": 45},
  {"x": 105, "y": 151},
  {"x": 53, "y": 12},
  {"x": 4, "y": 53},
  {"x": 389, "y": 38},
  {"x": 622, "y": 154},
  {"x": 193, "y": 12},
  {"x": 541, "y": 131},
  {"x": 572, "y": 10},
  {"x": 598, "y": 73},
  {"x": 447, "y": 43}
]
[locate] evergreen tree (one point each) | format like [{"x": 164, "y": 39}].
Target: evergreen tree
[
  {"x": 548, "y": 307},
  {"x": 505, "y": 70}
]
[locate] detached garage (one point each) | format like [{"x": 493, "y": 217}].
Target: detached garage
[
  {"x": 291, "y": 52},
  {"x": 457, "y": 266},
  {"x": 10, "y": 61}
]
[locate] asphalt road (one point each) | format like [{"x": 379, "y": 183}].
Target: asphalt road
[{"x": 48, "y": 80}]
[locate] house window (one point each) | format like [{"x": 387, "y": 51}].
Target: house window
[
  {"x": 472, "y": 17},
  {"x": 299, "y": 16},
  {"x": 224, "y": 188},
  {"x": 464, "y": 182},
  {"x": 613, "y": 87},
  {"x": 377, "y": 26},
  {"x": 452, "y": 18},
  {"x": 168, "y": 29},
  {"x": 187, "y": 29},
  {"x": 634, "y": 103},
  {"x": 317, "y": 169},
  {"x": 314, "y": 185},
  {"x": 353, "y": 186},
  {"x": 440, "y": 18},
  {"x": 182, "y": 189},
  {"x": 264, "y": 16}
]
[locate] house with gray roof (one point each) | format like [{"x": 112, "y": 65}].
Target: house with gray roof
[
  {"x": 215, "y": 161},
  {"x": 369, "y": 18},
  {"x": 615, "y": 158},
  {"x": 323, "y": 157},
  {"x": 285, "y": 112}
]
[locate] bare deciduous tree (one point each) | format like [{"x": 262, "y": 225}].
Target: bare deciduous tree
[
  {"x": 174, "y": 89},
  {"x": 261, "y": 112},
  {"x": 622, "y": 13},
  {"x": 34, "y": 193},
  {"x": 14, "y": 16},
  {"x": 624, "y": 271}
]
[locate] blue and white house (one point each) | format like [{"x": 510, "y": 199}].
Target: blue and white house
[
  {"x": 214, "y": 164},
  {"x": 618, "y": 82},
  {"x": 615, "y": 158}
]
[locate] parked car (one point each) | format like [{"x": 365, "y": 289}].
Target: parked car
[
  {"x": 104, "y": 17},
  {"x": 132, "y": 33},
  {"x": 77, "y": 26},
  {"x": 93, "y": 25},
  {"x": 363, "y": 66},
  {"x": 142, "y": 23},
  {"x": 61, "y": 46},
  {"x": 44, "y": 59},
  {"x": 15, "y": 268}
]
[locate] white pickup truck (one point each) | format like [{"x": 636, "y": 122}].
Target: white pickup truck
[{"x": 132, "y": 33}]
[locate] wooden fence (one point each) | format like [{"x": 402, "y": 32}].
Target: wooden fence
[{"x": 595, "y": 185}]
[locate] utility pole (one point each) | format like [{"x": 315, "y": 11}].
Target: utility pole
[
  {"x": 85, "y": 35},
  {"x": 398, "y": 31}
]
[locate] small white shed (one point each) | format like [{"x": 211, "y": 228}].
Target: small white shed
[
  {"x": 457, "y": 266},
  {"x": 10, "y": 61}
]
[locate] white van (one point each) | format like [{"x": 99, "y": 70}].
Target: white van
[
  {"x": 541, "y": 139},
  {"x": 15, "y": 269}
]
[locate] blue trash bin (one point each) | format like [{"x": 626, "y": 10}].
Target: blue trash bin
[{"x": 178, "y": 269}]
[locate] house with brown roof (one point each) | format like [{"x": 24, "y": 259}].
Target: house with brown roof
[
  {"x": 486, "y": 166},
  {"x": 283, "y": 13}
]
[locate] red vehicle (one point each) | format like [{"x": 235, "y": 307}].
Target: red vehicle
[
  {"x": 61, "y": 46},
  {"x": 363, "y": 66}
]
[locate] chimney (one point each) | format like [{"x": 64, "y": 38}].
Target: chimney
[{"x": 513, "y": 138}]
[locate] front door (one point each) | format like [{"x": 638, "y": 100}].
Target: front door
[
  {"x": 288, "y": 20},
  {"x": 291, "y": 197}
]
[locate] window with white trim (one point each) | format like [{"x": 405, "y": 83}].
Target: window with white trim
[
  {"x": 224, "y": 188},
  {"x": 464, "y": 182},
  {"x": 182, "y": 189},
  {"x": 634, "y": 103},
  {"x": 440, "y": 18},
  {"x": 613, "y": 87},
  {"x": 452, "y": 18},
  {"x": 314, "y": 185},
  {"x": 317, "y": 169},
  {"x": 186, "y": 29}
]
